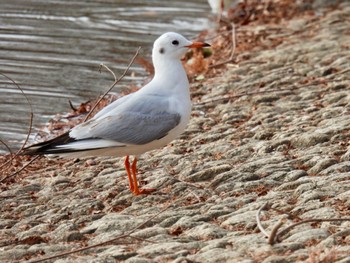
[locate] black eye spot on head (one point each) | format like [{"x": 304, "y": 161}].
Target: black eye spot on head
[
  {"x": 161, "y": 50},
  {"x": 175, "y": 42}
]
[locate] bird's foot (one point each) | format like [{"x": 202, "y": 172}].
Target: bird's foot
[{"x": 144, "y": 191}]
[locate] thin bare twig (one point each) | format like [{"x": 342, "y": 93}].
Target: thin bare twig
[
  {"x": 233, "y": 48},
  {"x": 116, "y": 81},
  {"x": 275, "y": 235},
  {"x": 143, "y": 239},
  {"x": 8, "y": 162},
  {"x": 11, "y": 155},
  {"x": 7, "y": 147},
  {"x": 8, "y": 196},
  {"x": 287, "y": 229},
  {"x": 20, "y": 170},
  {"x": 111, "y": 71},
  {"x": 234, "y": 40},
  {"x": 341, "y": 72},
  {"x": 6, "y": 243},
  {"x": 257, "y": 216},
  {"x": 105, "y": 242},
  {"x": 71, "y": 105},
  {"x": 290, "y": 216},
  {"x": 28, "y": 133},
  {"x": 274, "y": 232},
  {"x": 30, "y": 124},
  {"x": 30, "y": 114}
]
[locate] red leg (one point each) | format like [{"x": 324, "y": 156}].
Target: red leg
[
  {"x": 137, "y": 190},
  {"x": 128, "y": 171}
]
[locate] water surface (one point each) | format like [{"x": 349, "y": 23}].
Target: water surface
[{"x": 53, "y": 49}]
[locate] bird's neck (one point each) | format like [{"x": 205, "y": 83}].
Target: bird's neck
[{"x": 170, "y": 71}]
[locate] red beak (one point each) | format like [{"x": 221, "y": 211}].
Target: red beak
[{"x": 198, "y": 44}]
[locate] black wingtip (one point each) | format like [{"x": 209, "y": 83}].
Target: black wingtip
[{"x": 47, "y": 147}]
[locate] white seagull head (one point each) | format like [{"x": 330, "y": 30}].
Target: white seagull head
[{"x": 173, "y": 45}]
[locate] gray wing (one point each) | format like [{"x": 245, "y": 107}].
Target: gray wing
[
  {"x": 115, "y": 104},
  {"x": 134, "y": 127}
]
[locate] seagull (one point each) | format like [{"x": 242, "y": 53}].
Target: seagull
[
  {"x": 221, "y": 7},
  {"x": 147, "y": 119}
]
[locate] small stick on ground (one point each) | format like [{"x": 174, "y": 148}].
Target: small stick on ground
[
  {"x": 290, "y": 216},
  {"x": 261, "y": 228},
  {"x": 116, "y": 81},
  {"x": 233, "y": 37},
  {"x": 275, "y": 235},
  {"x": 274, "y": 232},
  {"x": 233, "y": 48},
  {"x": 287, "y": 229}
]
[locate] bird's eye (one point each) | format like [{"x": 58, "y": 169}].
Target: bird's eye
[{"x": 175, "y": 42}]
